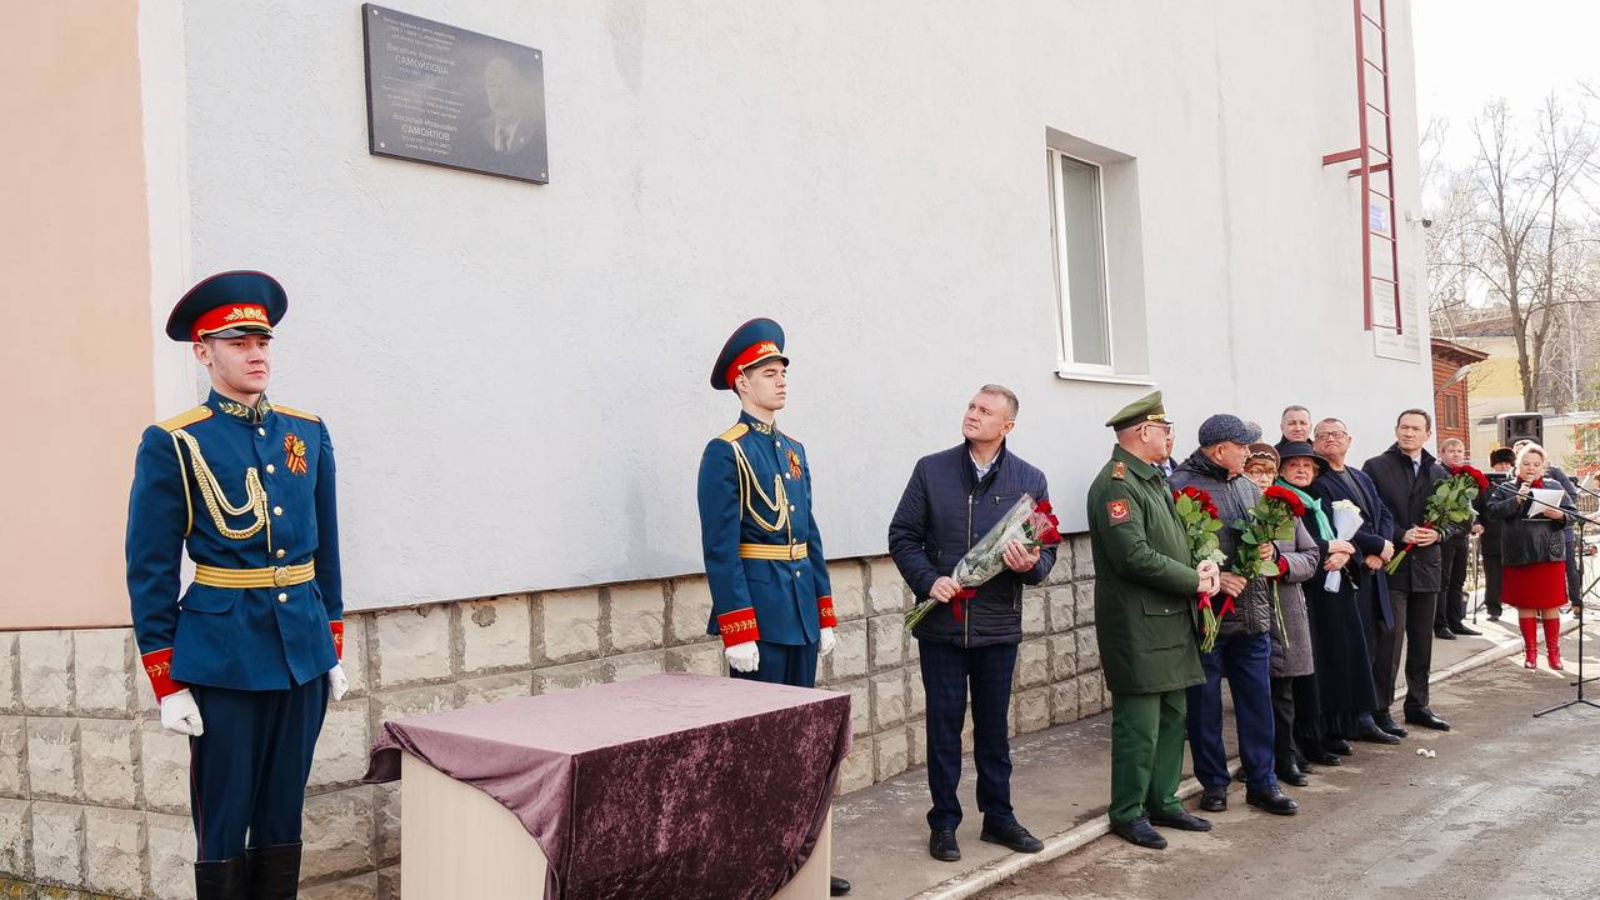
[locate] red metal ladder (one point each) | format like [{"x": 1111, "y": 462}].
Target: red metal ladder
[{"x": 1380, "y": 251}]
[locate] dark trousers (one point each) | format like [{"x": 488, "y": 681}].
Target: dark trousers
[
  {"x": 1246, "y": 660},
  {"x": 1296, "y": 717},
  {"x": 1413, "y": 636},
  {"x": 1451, "y": 611},
  {"x": 1146, "y": 754},
  {"x": 247, "y": 773},
  {"x": 1491, "y": 586},
  {"x": 791, "y": 664},
  {"x": 948, "y": 671}
]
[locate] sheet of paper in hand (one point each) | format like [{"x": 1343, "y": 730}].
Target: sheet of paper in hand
[{"x": 1552, "y": 496}]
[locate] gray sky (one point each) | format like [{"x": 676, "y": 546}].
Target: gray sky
[{"x": 1470, "y": 51}]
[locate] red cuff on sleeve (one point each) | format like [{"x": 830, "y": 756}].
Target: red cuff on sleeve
[
  {"x": 158, "y": 665},
  {"x": 337, "y": 629},
  {"x": 825, "y": 612},
  {"x": 738, "y": 627}
]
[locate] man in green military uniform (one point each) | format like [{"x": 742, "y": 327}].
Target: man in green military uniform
[{"x": 1146, "y": 622}]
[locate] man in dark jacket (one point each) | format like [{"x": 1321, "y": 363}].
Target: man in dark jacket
[
  {"x": 1500, "y": 464},
  {"x": 952, "y": 500},
  {"x": 1243, "y": 651},
  {"x": 1405, "y": 475}
]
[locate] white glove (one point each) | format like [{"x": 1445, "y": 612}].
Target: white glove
[
  {"x": 337, "y": 683},
  {"x": 825, "y": 644},
  {"x": 181, "y": 714},
  {"x": 745, "y": 657}
]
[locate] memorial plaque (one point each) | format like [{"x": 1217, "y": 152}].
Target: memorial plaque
[{"x": 451, "y": 97}]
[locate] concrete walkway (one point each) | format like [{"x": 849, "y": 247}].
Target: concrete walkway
[{"x": 1060, "y": 789}]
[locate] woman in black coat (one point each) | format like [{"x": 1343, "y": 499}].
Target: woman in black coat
[
  {"x": 1533, "y": 553},
  {"x": 1346, "y": 690}
]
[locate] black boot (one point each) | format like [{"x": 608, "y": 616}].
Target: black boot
[
  {"x": 274, "y": 872},
  {"x": 226, "y": 880}
]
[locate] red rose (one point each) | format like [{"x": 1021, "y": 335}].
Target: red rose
[
  {"x": 1288, "y": 498},
  {"x": 1043, "y": 507}
]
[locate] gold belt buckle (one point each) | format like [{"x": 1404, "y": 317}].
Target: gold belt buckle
[{"x": 280, "y": 576}]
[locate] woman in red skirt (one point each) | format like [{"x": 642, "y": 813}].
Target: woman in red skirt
[{"x": 1533, "y": 554}]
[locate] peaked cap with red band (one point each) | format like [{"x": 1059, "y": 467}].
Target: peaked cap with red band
[
  {"x": 228, "y": 304},
  {"x": 756, "y": 341}
]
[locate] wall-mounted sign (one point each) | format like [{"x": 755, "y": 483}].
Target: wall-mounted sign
[{"x": 443, "y": 95}]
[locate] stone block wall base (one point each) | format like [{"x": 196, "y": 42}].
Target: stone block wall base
[{"x": 94, "y": 795}]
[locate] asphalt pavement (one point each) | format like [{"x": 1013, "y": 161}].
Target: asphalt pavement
[{"x": 1509, "y": 808}]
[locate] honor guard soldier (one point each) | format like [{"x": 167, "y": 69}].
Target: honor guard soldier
[
  {"x": 246, "y": 660},
  {"x": 771, "y": 601},
  {"x": 1145, "y": 589}
]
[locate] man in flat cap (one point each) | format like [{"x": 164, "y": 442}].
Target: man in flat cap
[
  {"x": 770, "y": 597},
  {"x": 1146, "y": 620},
  {"x": 1243, "y": 651},
  {"x": 245, "y": 661}
]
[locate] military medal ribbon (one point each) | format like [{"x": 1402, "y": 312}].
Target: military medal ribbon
[
  {"x": 1201, "y": 522},
  {"x": 1033, "y": 524}
]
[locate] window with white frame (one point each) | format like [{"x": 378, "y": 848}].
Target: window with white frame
[{"x": 1078, "y": 223}]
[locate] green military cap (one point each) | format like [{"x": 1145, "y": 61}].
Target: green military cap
[{"x": 1144, "y": 409}]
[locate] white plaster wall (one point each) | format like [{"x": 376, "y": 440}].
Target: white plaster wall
[{"x": 515, "y": 375}]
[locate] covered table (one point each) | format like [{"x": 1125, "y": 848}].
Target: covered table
[{"x": 666, "y": 786}]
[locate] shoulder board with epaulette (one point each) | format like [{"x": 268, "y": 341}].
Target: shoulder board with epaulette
[
  {"x": 1119, "y": 470},
  {"x": 184, "y": 420},
  {"x": 734, "y": 433},
  {"x": 297, "y": 413}
]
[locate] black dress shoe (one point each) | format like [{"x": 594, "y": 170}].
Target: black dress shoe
[
  {"x": 1494, "y": 617},
  {"x": 1387, "y": 723},
  {"x": 838, "y": 887},
  {"x": 1427, "y": 719},
  {"x": 1273, "y": 801},
  {"x": 1338, "y": 746},
  {"x": 1013, "y": 837},
  {"x": 1444, "y": 634},
  {"x": 942, "y": 845},
  {"x": 1464, "y": 629},
  {"x": 1181, "y": 819},
  {"x": 1140, "y": 834},
  {"x": 1372, "y": 733},
  {"x": 1321, "y": 757},
  {"x": 1214, "y": 799},
  {"x": 1291, "y": 774}
]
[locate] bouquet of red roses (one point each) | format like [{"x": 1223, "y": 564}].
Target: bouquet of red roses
[
  {"x": 1449, "y": 504},
  {"x": 1271, "y": 520},
  {"x": 1035, "y": 525},
  {"x": 1201, "y": 522}
]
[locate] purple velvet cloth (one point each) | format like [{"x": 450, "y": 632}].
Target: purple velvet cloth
[{"x": 668, "y": 786}]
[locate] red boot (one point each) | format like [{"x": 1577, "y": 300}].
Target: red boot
[
  {"x": 1530, "y": 641},
  {"x": 1552, "y": 641}
]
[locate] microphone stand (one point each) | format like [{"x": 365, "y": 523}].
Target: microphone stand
[{"x": 1582, "y": 520}]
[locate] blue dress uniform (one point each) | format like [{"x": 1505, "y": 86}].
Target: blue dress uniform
[
  {"x": 249, "y": 491},
  {"x": 763, "y": 552}
]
